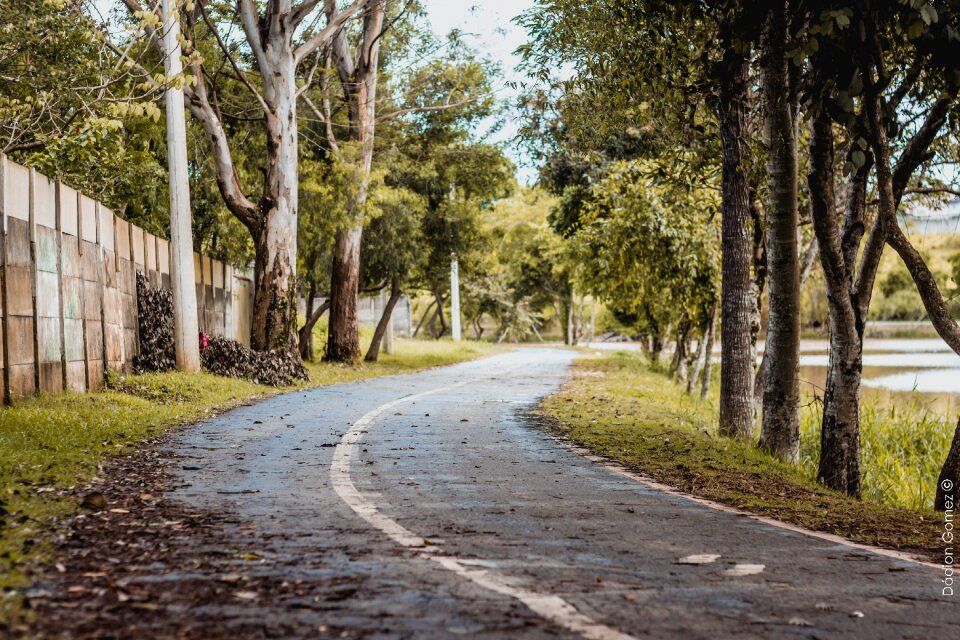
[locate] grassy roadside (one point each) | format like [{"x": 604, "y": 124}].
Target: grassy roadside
[
  {"x": 52, "y": 443},
  {"x": 617, "y": 406}
]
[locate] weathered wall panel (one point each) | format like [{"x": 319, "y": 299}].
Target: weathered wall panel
[{"x": 68, "y": 307}]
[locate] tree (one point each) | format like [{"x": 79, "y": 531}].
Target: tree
[
  {"x": 277, "y": 50},
  {"x": 673, "y": 285},
  {"x": 68, "y": 110},
  {"x": 392, "y": 252},
  {"x": 358, "y": 71},
  {"x": 780, "y": 430},
  {"x": 861, "y": 91},
  {"x": 672, "y": 76},
  {"x": 738, "y": 295}
]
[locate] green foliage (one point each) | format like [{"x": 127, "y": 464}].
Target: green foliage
[
  {"x": 955, "y": 270},
  {"x": 67, "y": 108},
  {"x": 648, "y": 249}
]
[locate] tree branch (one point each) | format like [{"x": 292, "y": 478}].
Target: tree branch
[
  {"x": 438, "y": 107},
  {"x": 931, "y": 190},
  {"x": 301, "y": 11},
  {"x": 323, "y": 38},
  {"x": 233, "y": 63},
  {"x": 250, "y": 18}
]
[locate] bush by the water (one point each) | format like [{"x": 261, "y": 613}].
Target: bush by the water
[
  {"x": 155, "y": 321},
  {"x": 229, "y": 358}
]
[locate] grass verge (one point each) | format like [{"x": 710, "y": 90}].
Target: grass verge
[
  {"x": 618, "y": 407},
  {"x": 51, "y": 444}
]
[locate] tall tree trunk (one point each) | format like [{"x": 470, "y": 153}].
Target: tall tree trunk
[
  {"x": 780, "y": 429},
  {"x": 274, "y": 324},
  {"x": 949, "y": 476},
  {"x": 840, "y": 430},
  {"x": 343, "y": 344},
  {"x": 374, "y": 351},
  {"x": 358, "y": 77},
  {"x": 737, "y": 292}
]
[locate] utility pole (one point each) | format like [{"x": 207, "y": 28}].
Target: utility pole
[
  {"x": 455, "y": 297},
  {"x": 182, "y": 279},
  {"x": 454, "y": 282}
]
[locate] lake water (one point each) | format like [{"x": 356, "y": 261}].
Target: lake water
[{"x": 893, "y": 369}]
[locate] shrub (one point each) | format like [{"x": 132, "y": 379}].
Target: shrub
[
  {"x": 155, "y": 321},
  {"x": 225, "y": 357}
]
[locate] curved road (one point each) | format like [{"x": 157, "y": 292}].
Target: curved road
[{"x": 442, "y": 514}]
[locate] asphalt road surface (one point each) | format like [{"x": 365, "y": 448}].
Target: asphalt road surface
[{"x": 445, "y": 513}]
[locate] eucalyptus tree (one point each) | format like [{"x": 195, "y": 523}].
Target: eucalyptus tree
[
  {"x": 277, "y": 38},
  {"x": 383, "y": 80},
  {"x": 357, "y": 68}
]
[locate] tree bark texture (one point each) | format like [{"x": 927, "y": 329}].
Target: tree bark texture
[
  {"x": 780, "y": 429},
  {"x": 737, "y": 293},
  {"x": 840, "y": 429},
  {"x": 358, "y": 74},
  {"x": 343, "y": 345}
]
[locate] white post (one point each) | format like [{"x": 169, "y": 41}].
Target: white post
[
  {"x": 455, "y": 298},
  {"x": 388, "y": 336},
  {"x": 182, "y": 279}
]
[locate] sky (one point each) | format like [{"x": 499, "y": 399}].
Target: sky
[{"x": 493, "y": 33}]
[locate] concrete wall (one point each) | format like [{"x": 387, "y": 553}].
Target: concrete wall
[{"x": 68, "y": 307}]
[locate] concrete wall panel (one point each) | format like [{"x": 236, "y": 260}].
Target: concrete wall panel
[
  {"x": 16, "y": 190},
  {"x": 69, "y": 222}
]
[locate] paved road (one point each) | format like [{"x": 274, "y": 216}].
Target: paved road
[{"x": 445, "y": 514}]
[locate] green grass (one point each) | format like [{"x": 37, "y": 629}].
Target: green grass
[
  {"x": 52, "y": 443},
  {"x": 619, "y": 407},
  {"x": 901, "y": 450}
]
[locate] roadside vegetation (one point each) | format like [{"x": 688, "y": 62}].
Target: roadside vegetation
[
  {"x": 52, "y": 445},
  {"x": 622, "y": 408}
]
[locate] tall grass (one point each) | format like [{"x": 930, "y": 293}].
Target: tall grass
[{"x": 902, "y": 447}]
